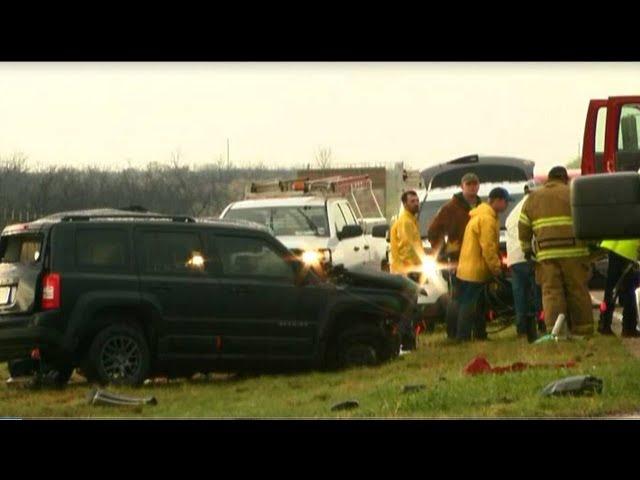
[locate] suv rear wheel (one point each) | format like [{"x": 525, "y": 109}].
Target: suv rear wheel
[
  {"x": 118, "y": 354},
  {"x": 360, "y": 346}
]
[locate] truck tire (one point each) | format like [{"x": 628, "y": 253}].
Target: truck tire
[
  {"x": 361, "y": 346},
  {"x": 119, "y": 354}
]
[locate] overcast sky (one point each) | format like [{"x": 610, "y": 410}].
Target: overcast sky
[{"x": 281, "y": 113}]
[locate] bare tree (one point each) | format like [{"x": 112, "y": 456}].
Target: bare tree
[{"x": 323, "y": 158}]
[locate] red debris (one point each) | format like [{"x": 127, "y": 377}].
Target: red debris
[
  {"x": 603, "y": 307},
  {"x": 480, "y": 365}
]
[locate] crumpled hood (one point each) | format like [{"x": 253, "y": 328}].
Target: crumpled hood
[{"x": 382, "y": 280}]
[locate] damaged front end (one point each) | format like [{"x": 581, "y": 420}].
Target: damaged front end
[{"x": 398, "y": 298}]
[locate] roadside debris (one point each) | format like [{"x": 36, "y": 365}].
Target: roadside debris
[
  {"x": 481, "y": 365},
  {"x": 555, "y": 332},
  {"x": 348, "y": 405},
  {"x": 156, "y": 381},
  {"x": 413, "y": 388},
  {"x": 577, "y": 385},
  {"x": 102, "y": 397}
]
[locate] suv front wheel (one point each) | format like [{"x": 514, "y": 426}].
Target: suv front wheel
[
  {"x": 119, "y": 354},
  {"x": 360, "y": 346}
]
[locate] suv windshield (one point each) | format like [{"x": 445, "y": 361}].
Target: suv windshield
[
  {"x": 20, "y": 248},
  {"x": 428, "y": 210},
  {"x": 286, "y": 221}
]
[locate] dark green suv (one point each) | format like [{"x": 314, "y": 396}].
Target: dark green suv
[{"x": 126, "y": 295}]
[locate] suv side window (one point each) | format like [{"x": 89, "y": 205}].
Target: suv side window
[
  {"x": 102, "y": 248},
  {"x": 338, "y": 217},
  {"x": 251, "y": 257},
  {"x": 171, "y": 253}
]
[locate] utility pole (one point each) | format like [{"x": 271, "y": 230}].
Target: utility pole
[{"x": 228, "y": 153}]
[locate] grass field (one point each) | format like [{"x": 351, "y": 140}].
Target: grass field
[{"x": 437, "y": 364}]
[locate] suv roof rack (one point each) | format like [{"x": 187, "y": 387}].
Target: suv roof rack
[
  {"x": 173, "y": 218},
  {"x": 108, "y": 213}
]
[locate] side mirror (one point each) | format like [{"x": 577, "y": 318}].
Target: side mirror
[
  {"x": 350, "y": 231},
  {"x": 380, "y": 231},
  {"x": 606, "y": 206}
]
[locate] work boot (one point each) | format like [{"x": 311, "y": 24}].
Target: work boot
[
  {"x": 532, "y": 334},
  {"x": 605, "y": 330}
]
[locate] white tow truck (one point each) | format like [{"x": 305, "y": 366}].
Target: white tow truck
[{"x": 320, "y": 220}]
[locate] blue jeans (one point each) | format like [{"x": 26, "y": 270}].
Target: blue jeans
[
  {"x": 527, "y": 297},
  {"x": 471, "y": 310},
  {"x": 452, "y": 306}
]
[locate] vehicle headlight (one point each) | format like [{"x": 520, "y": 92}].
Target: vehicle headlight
[
  {"x": 311, "y": 257},
  {"x": 430, "y": 267},
  {"x": 432, "y": 274},
  {"x": 316, "y": 257}
]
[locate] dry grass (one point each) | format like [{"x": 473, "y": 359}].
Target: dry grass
[{"x": 437, "y": 364}]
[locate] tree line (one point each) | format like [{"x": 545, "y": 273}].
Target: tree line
[{"x": 172, "y": 188}]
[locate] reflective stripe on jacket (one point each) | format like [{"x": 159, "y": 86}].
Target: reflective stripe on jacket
[
  {"x": 625, "y": 248},
  {"x": 546, "y": 216},
  {"x": 406, "y": 246}
]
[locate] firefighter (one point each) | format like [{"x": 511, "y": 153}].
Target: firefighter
[
  {"x": 407, "y": 253},
  {"x": 621, "y": 272},
  {"x": 562, "y": 262},
  {"x": 445, "y": 235}
]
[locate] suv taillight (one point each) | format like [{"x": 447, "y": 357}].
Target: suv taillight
[{"x": 51, "y": 291}]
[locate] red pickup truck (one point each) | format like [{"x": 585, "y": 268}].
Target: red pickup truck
[{"x": 611, "y": 135}]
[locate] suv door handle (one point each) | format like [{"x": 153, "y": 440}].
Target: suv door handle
[{"x": 357, "y": 249}]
